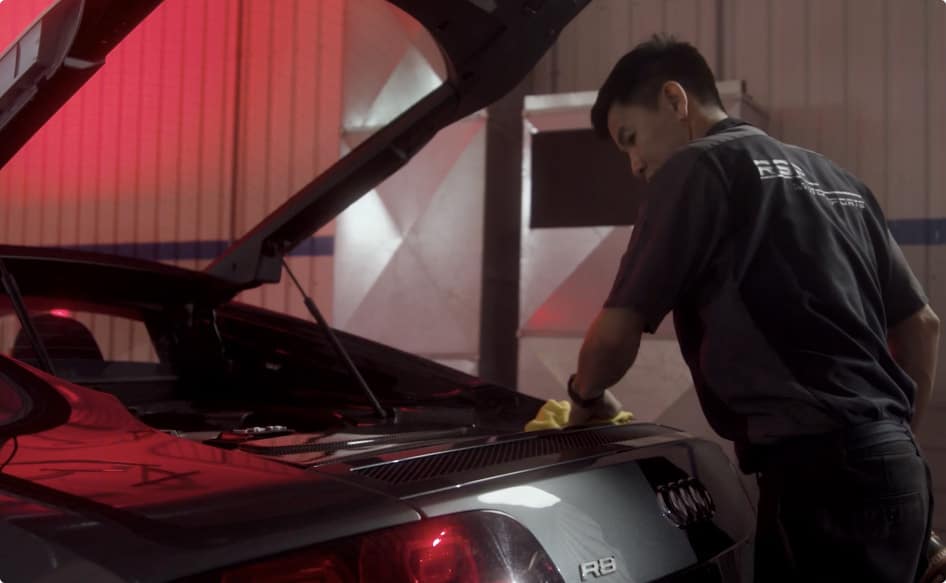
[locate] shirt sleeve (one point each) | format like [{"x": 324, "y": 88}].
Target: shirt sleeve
[
  {"x": 682, "y": 221},
  {"x": 903, "y": 294}
]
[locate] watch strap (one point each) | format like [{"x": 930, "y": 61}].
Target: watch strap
[{"x": 578, "y": 399}]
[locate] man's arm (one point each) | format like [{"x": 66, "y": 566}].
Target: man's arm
[
  {"x": 914, "y": 343},
  {"x": 609, "y": 349},
  {"x": 674, "y": 242}
]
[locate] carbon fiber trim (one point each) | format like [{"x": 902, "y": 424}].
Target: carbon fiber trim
[
  {"x": 453, "y": 462},
  {"x": 368, "y": 442}
]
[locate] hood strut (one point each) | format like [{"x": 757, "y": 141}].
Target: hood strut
[
  {"x": 16, "y": 298},
  {"x": 339, "y": 349}
]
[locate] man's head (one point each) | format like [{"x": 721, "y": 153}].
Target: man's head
[{"x": 657, "y": 98}]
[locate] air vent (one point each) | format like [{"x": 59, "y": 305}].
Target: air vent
[{"x": 432, "y": 466}]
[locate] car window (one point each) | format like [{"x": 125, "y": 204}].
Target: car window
[{"x": 78, "y": 335}]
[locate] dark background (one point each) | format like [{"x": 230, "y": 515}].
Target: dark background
[{"x": 580, "y": 180}]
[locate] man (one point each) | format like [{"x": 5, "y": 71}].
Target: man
[{"x": 786, "y": 288}]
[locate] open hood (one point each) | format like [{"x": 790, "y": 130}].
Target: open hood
[{"x": 488, "y": 46}]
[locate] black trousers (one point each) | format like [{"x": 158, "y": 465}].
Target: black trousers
[{"x": 849, "y": 507}]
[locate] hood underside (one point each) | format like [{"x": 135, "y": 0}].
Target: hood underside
[{"x": 488, "y": 46}]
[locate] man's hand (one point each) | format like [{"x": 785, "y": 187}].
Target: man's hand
[{"x": 604, "y": 410}]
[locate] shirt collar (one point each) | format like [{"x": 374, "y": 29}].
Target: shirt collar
[{"x": 725, "y": 124}]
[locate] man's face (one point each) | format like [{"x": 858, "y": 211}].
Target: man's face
[{"x": 650, "y": 136}]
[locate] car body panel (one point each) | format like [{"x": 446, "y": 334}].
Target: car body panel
[
  {"x": 104, "y": 475},
  {"x": 38, "y": 559}
]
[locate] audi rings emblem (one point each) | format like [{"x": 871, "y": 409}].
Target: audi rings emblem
[{"x": 685, "y": 502}]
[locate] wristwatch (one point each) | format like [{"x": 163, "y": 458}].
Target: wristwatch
[{"x": 577, "y": 399}]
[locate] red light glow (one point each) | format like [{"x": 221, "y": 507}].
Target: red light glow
[{"x": 60, "y": 313}]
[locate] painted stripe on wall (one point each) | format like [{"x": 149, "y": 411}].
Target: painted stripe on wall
[
  {"x": 196, "y": 250},
  {"x": 905, "y": 231},
  {"x": 919, "y": 231}
]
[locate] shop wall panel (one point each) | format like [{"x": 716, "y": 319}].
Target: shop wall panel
[
  {"x": 935, "y": 128},
  {"x": 931, "y": 435},
  {"x": 695, "y": 22},
  {"x": 606, "y": 29},
  {"x": 906, "y": 92},
  {"x": 866, "y": 105},
  {"x": 409, "y": 253},
  {"x": 289, "y": 100},
  {"x": 747, "y": 49},
  {"x": 146, "y": 161},
  {"x": 789, "y": 96},
  {"x": 827, "y": 86}
]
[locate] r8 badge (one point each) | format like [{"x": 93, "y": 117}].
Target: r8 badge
[{"x": 598, "y": 568}]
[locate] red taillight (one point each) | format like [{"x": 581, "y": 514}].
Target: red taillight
[
  {"x": 443, "y": 561},
  {"x": 307, "y": 568},
  {"x": 474, "y": 547},
  {"x": 436, "y": 551}
]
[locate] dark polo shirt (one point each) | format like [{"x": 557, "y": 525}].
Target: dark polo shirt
[{"x": 783, "y": 279}]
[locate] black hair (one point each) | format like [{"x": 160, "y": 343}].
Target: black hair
[{"x": 638, "y": 77}]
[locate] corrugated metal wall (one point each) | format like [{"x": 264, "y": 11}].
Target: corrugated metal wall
[
  {"x": 204, "y": 119},
  {"x": 289, "y": 96},
  {"x": 607, "y": 29},
  {"x": 143, "y": 153},
  {"x": 862, "y": 81}
]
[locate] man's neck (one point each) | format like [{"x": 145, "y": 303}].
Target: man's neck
[{"x": 704, "y": 119}]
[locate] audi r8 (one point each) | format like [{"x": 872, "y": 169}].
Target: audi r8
[{"x": 248, "y": 445}]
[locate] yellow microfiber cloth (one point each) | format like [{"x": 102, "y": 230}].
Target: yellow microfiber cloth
[{"x": 554, "y": 415}]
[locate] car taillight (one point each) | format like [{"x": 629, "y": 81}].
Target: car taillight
[
  {"x": 296, "y": 569},
  {"x": 435, "y": 551},
  {"x": 474, "y": 547},
  {"x": 441, "y": 564}
]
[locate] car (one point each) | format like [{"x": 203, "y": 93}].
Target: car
[{"x": 248, "y": 445}]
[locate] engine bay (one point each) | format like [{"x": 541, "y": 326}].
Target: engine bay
[{"x": 305, "y": 436}]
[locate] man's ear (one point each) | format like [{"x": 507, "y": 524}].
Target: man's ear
[{"x": 676, "y": 97}]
